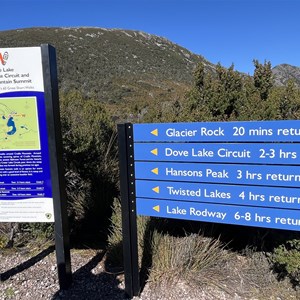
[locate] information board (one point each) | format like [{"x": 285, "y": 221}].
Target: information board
[
  {"x": 25, "y": 181},
  {"x": 242, "y": 173},
  {"x": 32, "y": 186}
]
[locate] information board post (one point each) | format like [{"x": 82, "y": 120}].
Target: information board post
[
  {"x": 129, "y": 224},
  {"x": 62, "y": 242}
]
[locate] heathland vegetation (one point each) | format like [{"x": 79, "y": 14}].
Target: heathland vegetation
[{"x": 238, "y": 260}]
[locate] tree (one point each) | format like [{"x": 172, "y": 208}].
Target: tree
[
  {"x": 289, "y": 106},
  {"x": 263, "y": 78},
  {"x": 199, "y": 76},
  {"x": 218, "y": 96}
]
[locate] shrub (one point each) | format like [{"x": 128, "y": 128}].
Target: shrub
[
  {"x": 90, "y": 157},
  {"x": 3, "y": 240},
  {"x": 286, "y": 259},
  {"x": 115, "y": 250}
]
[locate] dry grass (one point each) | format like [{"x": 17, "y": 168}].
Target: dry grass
[
  {"x": 115, "y": 246},
  {"x": 193, "y": 260},
  {"x": 239, "y": 277}
]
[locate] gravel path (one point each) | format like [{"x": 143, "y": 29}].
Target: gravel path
[
  {"x": 25, "y": 277},
  {"x": 34, "y": 278}
]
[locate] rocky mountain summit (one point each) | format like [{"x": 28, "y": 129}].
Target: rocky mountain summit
[{"x": 282, "y": 73}]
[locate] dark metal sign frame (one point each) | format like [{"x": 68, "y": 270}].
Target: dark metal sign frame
[
  {"x": 62, "y": 240},
  {"x": 129, "y": 223}
]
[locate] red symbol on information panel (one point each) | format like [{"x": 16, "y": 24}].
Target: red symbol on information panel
[{"x": 3, "y": 58}]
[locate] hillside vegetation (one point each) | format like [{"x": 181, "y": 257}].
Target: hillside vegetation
[
  {"x": 118, "y": 67},
  {"x": 125, "y": 69}
]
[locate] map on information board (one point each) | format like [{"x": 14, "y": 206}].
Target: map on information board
[{"x": 19, "y": 128}]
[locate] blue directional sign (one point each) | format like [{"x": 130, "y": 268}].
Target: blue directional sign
[
  {"x": 219, "y": 173},
  {"x": 223, "y": 152},
  {"x": 253, "y": 131},
  {"x": 287, "y": 198},
  {"x": 218, "y": 213},
  {"x": 244, "y": 173}
]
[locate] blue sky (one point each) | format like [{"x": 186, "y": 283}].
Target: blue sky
[{"x": 225, "y": 31}]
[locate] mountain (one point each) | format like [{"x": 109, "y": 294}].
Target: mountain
[
  {"x": 115, "y": 65},
  {"x": 284, "y": 72},
  {"x": 122, "y": 67}
]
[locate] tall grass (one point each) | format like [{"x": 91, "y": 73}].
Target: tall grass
[
  {"x": 164, "y": 257},
  {"x": 192, "y": 258}
]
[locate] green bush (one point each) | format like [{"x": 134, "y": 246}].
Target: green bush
[
  {"x": 286, "y": 259},
  {"x": 90, "y": 157},
  {"x": 3, "y": 240}
]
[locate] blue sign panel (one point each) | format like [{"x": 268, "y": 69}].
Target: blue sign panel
[
  {"x": 255, "y": 131},
  {"x": 218, "y": 213},
  {"x": 224, "y": 153},
  {"x": 287, "y": 198},
  {"x": 243, "y": 173},
  {"x": 219, "y": 173}
]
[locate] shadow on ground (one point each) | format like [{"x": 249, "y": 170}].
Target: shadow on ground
[
  {"x": 86, "y": 285},
  {"x": 26, "y": 265}
]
